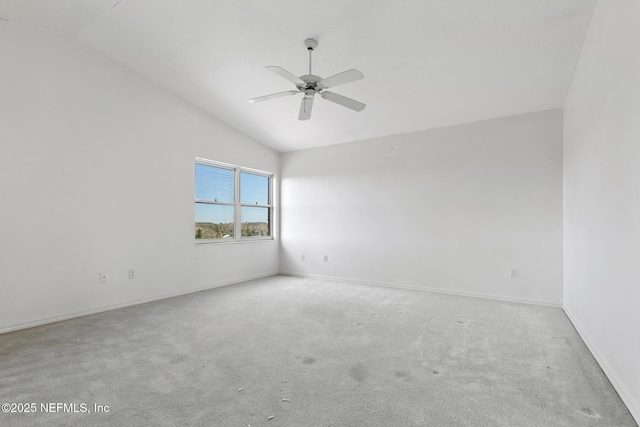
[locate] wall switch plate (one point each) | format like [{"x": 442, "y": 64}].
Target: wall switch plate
[
  {"x": 103, "y": 277},
  {"x": 132, "y": 273},
  {"x": 514, "y": 272},
  {"x": 302, "y": 258},
  {"x": 326, "y": 258}
]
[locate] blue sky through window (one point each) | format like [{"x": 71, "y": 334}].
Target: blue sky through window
[
  {"x": 254, "y": 214},
  {"x": 254, "y": 189},
  {"x": 214, "y": 183},
  {"x": 217, "y": 214}
]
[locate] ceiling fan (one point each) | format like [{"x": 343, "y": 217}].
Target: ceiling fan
[{"x": 310, "y": 85}]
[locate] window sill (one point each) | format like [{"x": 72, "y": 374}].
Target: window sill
[{"x": 199, "y": 242}]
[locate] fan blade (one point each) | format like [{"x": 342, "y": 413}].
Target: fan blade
[
  {"x": 305, "y": 108},
  {"x": 342, "y": 78},
  {"x": 273, "y": 95},
  {"x": 287, "y": 75},
  {"x": 343, "y": 100}
]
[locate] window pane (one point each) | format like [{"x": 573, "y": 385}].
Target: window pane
[
  {"x": 214, "y": 221},
  {"x": 213, "y": 183},
  {"x": 255, "y": 221},
  {"x": 254, "y": 189}
]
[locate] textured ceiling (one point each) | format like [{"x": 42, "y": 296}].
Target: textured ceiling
[{"x": 427, "y": 63}]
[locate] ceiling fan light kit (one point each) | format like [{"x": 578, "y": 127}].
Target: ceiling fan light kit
[{"x": 310, "y": 85}]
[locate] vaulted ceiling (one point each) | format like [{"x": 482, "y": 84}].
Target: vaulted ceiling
[{"x": 427, "y": 63}]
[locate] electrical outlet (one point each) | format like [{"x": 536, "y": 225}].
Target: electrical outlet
[
  {"x": 132, "y": 273},
  {"x": 514, "y": 272},
  {"x": 302, "y": 258},
  {"x": 326, "y": 258},
  {"x": 103, "y": 277}
]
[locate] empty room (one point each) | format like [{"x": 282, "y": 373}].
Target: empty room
[{"x": 338, "y": 213}]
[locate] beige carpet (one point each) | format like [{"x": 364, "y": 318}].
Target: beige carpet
[{"x": 287, "y": 351}]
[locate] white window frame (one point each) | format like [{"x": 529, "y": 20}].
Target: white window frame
[{"x": 237, "y": 206}]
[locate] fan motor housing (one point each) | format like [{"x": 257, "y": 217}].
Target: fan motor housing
[
  {"x": 310, "y": 79},
  {"x": 311, "y": 83}
]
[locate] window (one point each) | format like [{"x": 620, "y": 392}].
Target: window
[{"x": 232, "y": 202}]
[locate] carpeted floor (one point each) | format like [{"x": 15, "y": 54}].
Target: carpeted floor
[{"x": 286, "y": 351}]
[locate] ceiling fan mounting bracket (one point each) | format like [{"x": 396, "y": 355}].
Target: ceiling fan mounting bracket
[{"x": 310, "y": 44}]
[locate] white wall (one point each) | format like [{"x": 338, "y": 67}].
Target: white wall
[
  {"x": 602, "y": 196},
  {"x": 96, "y": 174},
  {"x": 449, "y": 209}
]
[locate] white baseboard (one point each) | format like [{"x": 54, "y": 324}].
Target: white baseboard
[
  {"x": 427, "y": 289},
  {"x": 632, "y": 405},
  {"x": 73, "y": 315}
]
